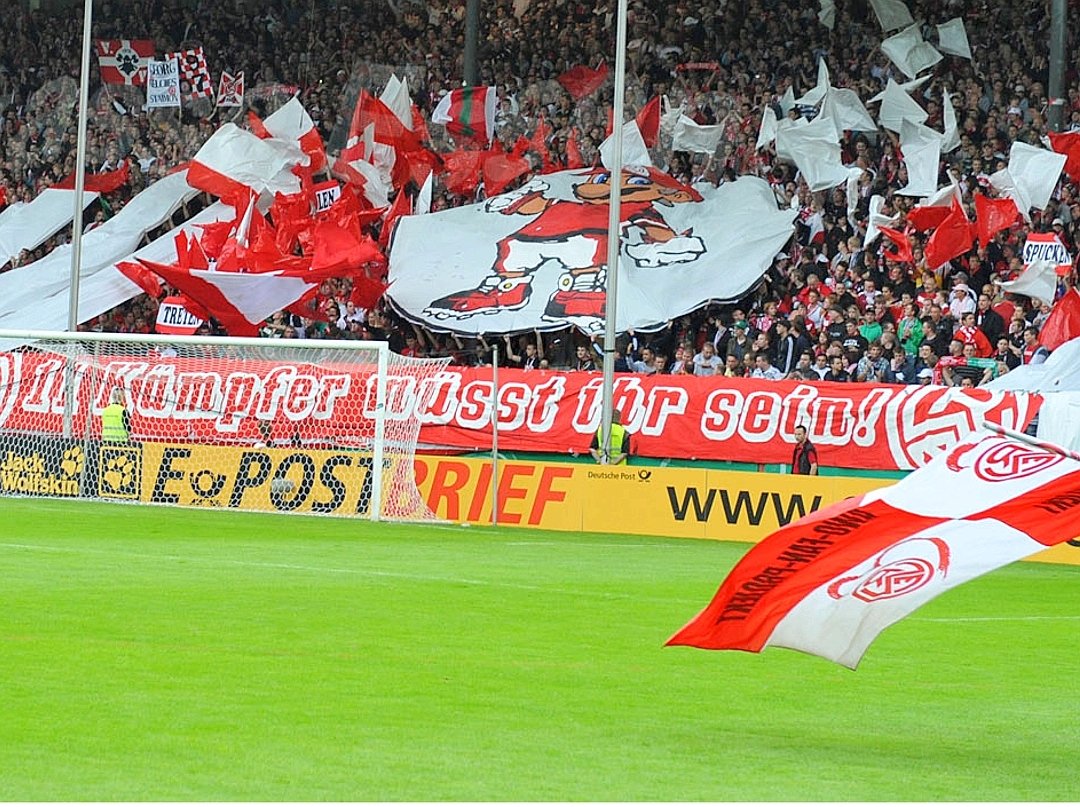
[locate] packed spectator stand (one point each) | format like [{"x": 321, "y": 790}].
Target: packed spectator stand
[{"x": 827, "y": 309}]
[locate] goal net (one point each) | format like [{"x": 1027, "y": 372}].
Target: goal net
[{"x": 307, "y": 426}]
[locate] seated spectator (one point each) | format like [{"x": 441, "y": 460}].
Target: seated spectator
[
  {"x": 733, "y": 368},
  {"x": 924, "y": 377}
]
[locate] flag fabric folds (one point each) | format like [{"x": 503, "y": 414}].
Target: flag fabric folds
[
  {"x": 921, "y": 147},
  {"x": 910, "y": 52},
  {"x": 123, "y": 61},
  {"x": 951, "y": 239},
  {"x": 953, "y": 39},
  {"x": 993, "y": 216},
  {"x": 897, "y": 106},
  {"x": 692, "y": 136},
  {"x": 830, "y": 582},
  {"x": 581, "y": 81},
  {"x": 468, "y": 112},
  {"x": 815, "y": 150},
  {"x": 1038, "y": 281},
  {"x": 1063, "y": 324},
  {"x": 235, "y": 162},
  {"x": 892, "y": 14}
]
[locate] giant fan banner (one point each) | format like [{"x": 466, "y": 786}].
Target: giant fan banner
[
  {"x": 536, "y": 257},
  {"x": 866, "y": 426}
]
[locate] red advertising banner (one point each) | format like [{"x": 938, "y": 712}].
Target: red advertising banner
[{"x": 880, "y": 427}]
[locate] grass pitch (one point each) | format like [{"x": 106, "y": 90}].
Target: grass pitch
[{"x": 165, "y": 654}]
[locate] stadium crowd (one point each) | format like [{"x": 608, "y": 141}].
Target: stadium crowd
[{"x": 826, "y": 309}]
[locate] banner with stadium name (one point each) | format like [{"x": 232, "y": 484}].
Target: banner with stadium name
[{"x": 880, "y": 427}]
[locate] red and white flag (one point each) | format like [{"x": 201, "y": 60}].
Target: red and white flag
[
  {"x": 123, "y": 61},
  {"x": 195, "y": 80},
  {"x": 293, "y": 124},
  {"x": 234, "y": 163},
  {"x": 829, "y": 583},
  {"x": 231, "y": 89},
  {"x": 468, "y": 112}
]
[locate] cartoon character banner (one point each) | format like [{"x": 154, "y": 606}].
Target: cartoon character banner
[{"x": 536, "y": 257}]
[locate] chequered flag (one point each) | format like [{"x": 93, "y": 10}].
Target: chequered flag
[{"x": 195, "y": 81}]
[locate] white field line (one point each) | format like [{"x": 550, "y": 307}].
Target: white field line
[{"x": 346, "y": 571}]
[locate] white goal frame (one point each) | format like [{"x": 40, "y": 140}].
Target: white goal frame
[{"x": 11, "y": 340}]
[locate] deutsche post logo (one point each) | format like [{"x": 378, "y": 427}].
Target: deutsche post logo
[
  {"x": 120, "y": 472},
  {"x": 901, "y": 569}
]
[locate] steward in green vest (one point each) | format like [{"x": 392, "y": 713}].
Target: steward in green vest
[
  {"x": 620, "y": 442},
  {"x": 115, "y": 420}
]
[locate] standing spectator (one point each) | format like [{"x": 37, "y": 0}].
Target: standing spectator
[
  {"x": 786, "y": 354},
  {"x": 1034, "y": 352},
  {"x": 873, "y": 368},
  {"x": 707, "y": 363},
  {"x": 804, "y": 460}
]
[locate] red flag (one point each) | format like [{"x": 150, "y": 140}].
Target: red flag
[
  {"x": 648, "y": 121},
  {"x": 464, "y": 169},
  {"x": 992, "y": 216},
  {"x": 951, "y": 239},
  {"x": 927, "y": 217},
  {"x": 1068, "y": 143},
  {"x": 105, "y": 182},
  {"x": 581, "y": 81},
  {"x": 257, "y": 127},
  {"x": 141, "y": 277},
  {"x": 401, "y": 206},
  {"x": 366, "y": 291},
  {"x": 903, "y": 251},
  {"x": 500, "y": 170},
  {"x": 123, "y": 61},
  {"x": 538, "y": 143},
  {"x": 214, "y": 236},
  {"x": 341, "y": 250},
  {"x": 388, "y": 128},
  {"x": 830, "y": 582},
  {"x": 573, "y": 151},
  {"x": 1063, "y": 323}
]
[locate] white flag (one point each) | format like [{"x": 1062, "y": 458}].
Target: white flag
[
  {"x": 396, "y": 97},
  {"x": 952, "y": 38},
  {"x": 767, "y": 130},
  {"x": 162, "y": 84},
  {"x": 634, "y": 150},
  {"x": 847, "y": 111},
  {"x": 787, "y": 100},
  {"x": 877, "y": 219},
  {"x": 689, "y": 136},
  {"x": 1038, "y": 281},
  {"x": 827, "y": 14},
  {"x": 897, "y": 106},
  {"x": 910, "y": 52},
  {"x": 1030, "y": 178},
  {"x": 813, "y": 97},
  {"x": 423, "y": 199},
  {"x": 951, "y": 138},
  {"x": 921, "y": 147},
  {"x": 892, "y": 14},
  {"x": 815, "y": 149}
]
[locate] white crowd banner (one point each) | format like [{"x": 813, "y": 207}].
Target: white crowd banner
[
  {"x": 162, "y": 84},
  {"x": 535, "y": 257}
]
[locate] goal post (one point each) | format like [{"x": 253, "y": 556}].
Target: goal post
[{"x": 280, "y": 425}]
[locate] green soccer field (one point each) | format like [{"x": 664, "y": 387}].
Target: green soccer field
[{"x": 166, "y": 654}]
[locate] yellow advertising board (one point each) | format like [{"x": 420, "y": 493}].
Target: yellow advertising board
[
  {"x": 676, "y": 502},
  {"x": 636, "y": 500}
]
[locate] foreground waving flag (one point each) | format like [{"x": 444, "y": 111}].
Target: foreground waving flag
[{"x": 829, "y": 583}]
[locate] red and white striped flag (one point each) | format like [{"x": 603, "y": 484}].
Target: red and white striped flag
[
  {"x": 829, "y": 583},
  {"x": 468, "y": 112}
]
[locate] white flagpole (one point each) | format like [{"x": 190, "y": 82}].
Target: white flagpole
[
  {"x": 614, "y": 230},
  {"x": 80, "y": 170},
  {"x": 1031, "y": 441}
]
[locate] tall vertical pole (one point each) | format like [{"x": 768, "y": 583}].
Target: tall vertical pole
[
  {"x": 1056, "y": 86},
  {"x": 80, "y": 169},
  {"x": 77, "y": 218},
  {"x": 472, "y": 36},
  {"x": 613, "y": 233},
  {"x": 495, "y": 436}
]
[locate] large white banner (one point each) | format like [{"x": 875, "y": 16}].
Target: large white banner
[
  {"x": 536, "y": 257},
  {"x": 162, "y": 84}
]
